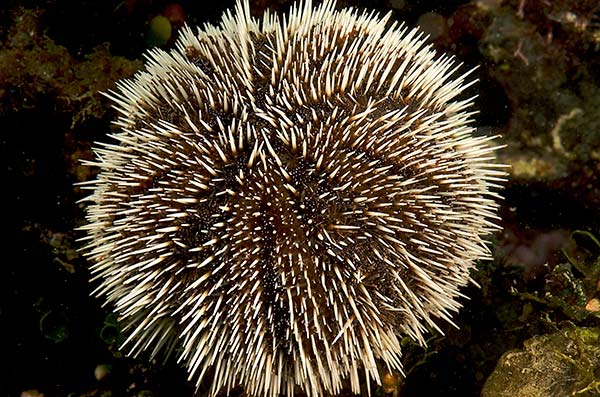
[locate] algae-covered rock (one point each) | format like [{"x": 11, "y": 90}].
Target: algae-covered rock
[{"x": 566, "y": 363}]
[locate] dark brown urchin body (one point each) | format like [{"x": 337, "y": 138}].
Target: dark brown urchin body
[{"x": 286, "y": 198}]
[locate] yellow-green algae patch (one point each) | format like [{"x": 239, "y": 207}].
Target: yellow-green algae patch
[{"x": 565, "y": 363}]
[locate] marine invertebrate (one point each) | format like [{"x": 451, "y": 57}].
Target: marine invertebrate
[{"x": 286, "y": 196}]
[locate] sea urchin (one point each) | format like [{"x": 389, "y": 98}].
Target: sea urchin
[{"x": 287, "y": 196}]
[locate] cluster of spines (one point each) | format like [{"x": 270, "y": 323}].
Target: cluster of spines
[{"x": 285, "y": 198}]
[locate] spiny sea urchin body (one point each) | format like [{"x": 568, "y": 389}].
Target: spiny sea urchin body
[{"x": 287, "y": 196}]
